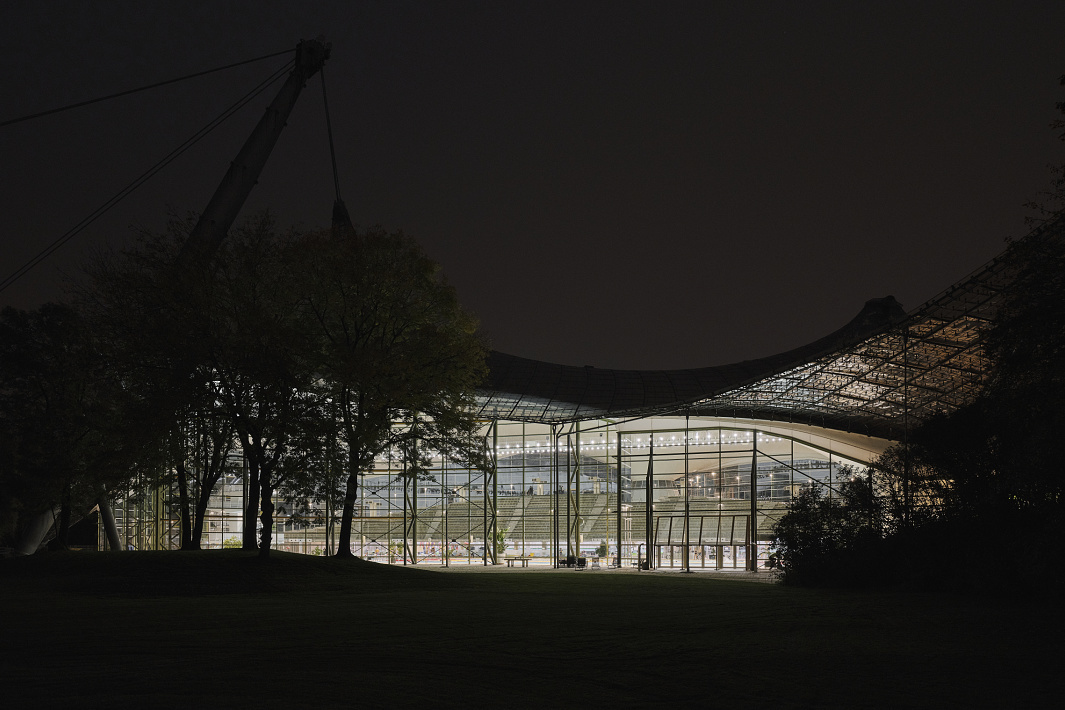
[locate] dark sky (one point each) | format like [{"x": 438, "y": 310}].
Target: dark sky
[{"x": 634, "y": 185}]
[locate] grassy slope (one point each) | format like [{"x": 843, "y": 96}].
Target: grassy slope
[{"x": 223, "y": 629}]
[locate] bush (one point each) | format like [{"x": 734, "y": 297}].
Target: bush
[{"x": 836, "y": 540}]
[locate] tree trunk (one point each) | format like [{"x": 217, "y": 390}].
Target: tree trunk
[
  {"x": 344, "y": 542},
  {"x": 251, "y": 513},
  {"x": 201, "y": 512},
  {"x": 352, "y": 488},
  {"x": 183, "y": 502},
  {"x": 267, "y": 517}
]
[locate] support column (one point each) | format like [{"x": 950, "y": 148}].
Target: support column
[
  {"x": 554, "y": 497},
  {"x": 569, "y": 500},
  {"x": 489, "y": 500},
  {"x": 686, "y": 567},
  {"x": 618, "y": 431},
  {"x": 649, "y": 504},
  {"x": 107, "y": 519},
  {"x": 524, "y": 496},
  {"x": 414, "y": 512},
  {"x": 752, "y": 541},
  {"x": 573, "y": 499},
  {"x": 493, "y": 511},
  {"x": 445, "y": 503},
  {"x": 406, "y": 478}
]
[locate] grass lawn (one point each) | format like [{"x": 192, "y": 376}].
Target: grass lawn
[{"x": 222, "y": 630}]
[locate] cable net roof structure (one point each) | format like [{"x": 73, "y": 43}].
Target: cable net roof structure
[{"x": 883, "y": 372}]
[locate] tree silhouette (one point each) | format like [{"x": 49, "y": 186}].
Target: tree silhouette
[{"x": 393, "y": 347}]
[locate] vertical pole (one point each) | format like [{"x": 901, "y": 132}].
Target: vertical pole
[
  {"x": 649, "y": 505},
  {"x": 791, "y": 472},
  {"x": 618, "y": 432},
  {"x": 830, "y": 486},
  {"x": 732, "y": 541},
  {"x": 495, "y": 495},
  {"x": 702, "y": 547},
  {"x": 403, "y": 501},
  {"x": 469, "y": 516},
  {"x": 752, "y": 541},
  {"x": 554, "y": 496},
  {"x": 445, "y": 541},
  {"x": 686, "y": 567},
  {"x": 243, "y": 495},
  {"x": 569, "y": 494},
  {"x": 414, "y": 509},
  {"x": 327, "y": 539},
  {"x": 330, "y": 472},
  {"x": 577, "y": 490},
  {"x": 524, "y": 501},
  {"x": 484, "y": 505}
]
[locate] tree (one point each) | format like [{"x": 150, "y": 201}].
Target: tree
[
  {"x": 908, "y": 485},
  {"x": 146, "y": 315},
  {"x": 1051, "y": 202},
  {"x": 220, "y": 344},
  {"x": 201, "y": 455},
  {"x": 62, "y": 412},
  {"x": 1026, "y": 345},
  {"x": 392, "y": 345},
  {"x": 974, "y": 485},
  {"x": 149, "y": 319},
  {"x": 257, "y": 343}
]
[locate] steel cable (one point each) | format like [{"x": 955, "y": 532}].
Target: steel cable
[{"x": 144, "y": 177}]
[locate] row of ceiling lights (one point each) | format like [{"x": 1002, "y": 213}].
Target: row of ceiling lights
[{"x": 536, "y": 447}]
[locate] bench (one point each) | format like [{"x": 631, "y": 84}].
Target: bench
[{"x": 523, "y": 560}]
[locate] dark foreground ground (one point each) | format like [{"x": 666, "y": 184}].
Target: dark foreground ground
[{"x": 223, "y": 630}]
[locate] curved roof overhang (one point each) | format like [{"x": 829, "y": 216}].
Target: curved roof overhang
[
  {"x": 880, "y": 374},
  {"x": 530, "y": 390}
]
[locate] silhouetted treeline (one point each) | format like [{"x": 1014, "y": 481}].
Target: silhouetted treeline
[
  {"x": 309, "y": 353},
  {"x": 973, "y": 499}
]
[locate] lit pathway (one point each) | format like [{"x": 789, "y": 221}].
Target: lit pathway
[{"x": 738, "y": 575}]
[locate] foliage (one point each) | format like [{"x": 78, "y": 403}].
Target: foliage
[
  {"x": 61, "y": 409},
  {"x": 398, "y": 357},
  {"x": 257, "y": 345},
  {"x": 832, "y": 539},
  {"x": 315, "y": 352},
  {"x": 1026, "y": 344},
  {"x": 223, "y": 343},
  {"x": 148, "y": 316},
  {"x": 977, "y": 486},
  {"x": 501, "y": 540},
  {"x": 1051, "y": 202},
  {"x": 967, "y": 487}
]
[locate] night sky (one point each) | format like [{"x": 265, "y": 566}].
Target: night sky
[{"x": 632, "y": 185}]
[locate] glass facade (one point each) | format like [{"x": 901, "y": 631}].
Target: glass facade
[
  {"x": 586, "y": 465},
  {"x": 556, "y": 493}
]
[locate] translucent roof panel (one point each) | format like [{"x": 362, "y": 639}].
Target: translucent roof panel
[{"x": 882, "y": 372}]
